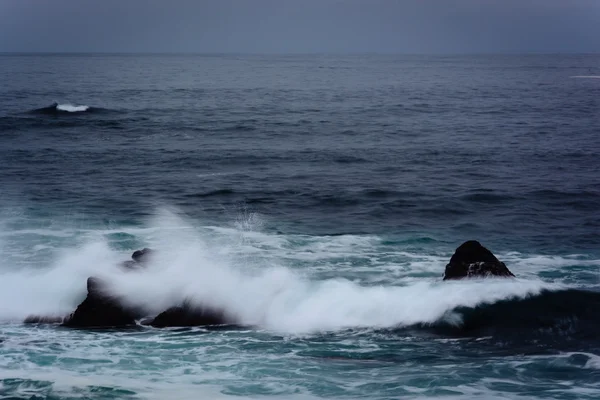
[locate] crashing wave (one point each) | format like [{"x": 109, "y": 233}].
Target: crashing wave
[
  {"x": 571, "y": 313},
  {"x": 207, "y": 269}
]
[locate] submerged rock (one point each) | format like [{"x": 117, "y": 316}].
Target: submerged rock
[
  {"x": 100, "y": 309},
  {"x": 188, "y": 315},
  {"x": 472, "y": 260}
]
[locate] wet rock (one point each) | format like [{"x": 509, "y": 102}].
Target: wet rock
[
  {"x": 101, "y": 310},
  {"x": 139, "y": 259},
  {"x": 143, "y": 255},
  {"x": 472, "y": 260},
  {"x": 188, "y": 315}
]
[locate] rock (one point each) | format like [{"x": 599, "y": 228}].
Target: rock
[
  {"x": 101, "y": 310},
  {"x": 472, "y": 260},
  {"x": 143, "y": 255},
  {"x": 139, "y": 259},
  {"x": 188, "y": 315},
  {"x": 130, "y": 265},
  {"x": 98, "y": 309}
]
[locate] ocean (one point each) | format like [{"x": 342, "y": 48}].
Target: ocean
[{"x": 317, "y": 198}]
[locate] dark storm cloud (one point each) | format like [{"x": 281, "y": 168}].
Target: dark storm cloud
[{"x": 290, "y": 26}]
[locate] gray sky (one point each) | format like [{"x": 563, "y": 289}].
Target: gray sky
[{"x": 300, "y": 26}]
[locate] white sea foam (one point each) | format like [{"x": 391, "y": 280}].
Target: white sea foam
[
  {"x": 53, "y": 290},
  {"x": 71, "y": 108},
  {"x": 258, "y": 291}
]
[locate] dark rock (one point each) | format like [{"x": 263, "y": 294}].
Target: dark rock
[
  {"x": 130, "y": 265},
  {"x": 38, "y": 319},
  {"x": 139, "y": 259},
  {"x": 143, "y": 255},
  {"x": 472, "y": 260},
  {"x": 101, "y": 310},
  {"x": 188, "y": 315}
]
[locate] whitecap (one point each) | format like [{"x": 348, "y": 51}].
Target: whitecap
[{"x": 71, "y": 108}]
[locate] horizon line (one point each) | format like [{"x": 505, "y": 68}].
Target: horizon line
[{"x": 333, "y": 53}]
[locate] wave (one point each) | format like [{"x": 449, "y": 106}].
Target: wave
[
  {"x": 222, "y": 270},
  {"x": 568, "y": 312},
  {"x": 274, "y": 298},
  {"x": 65, "y": 109}
]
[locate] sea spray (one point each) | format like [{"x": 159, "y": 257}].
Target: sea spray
[
  {"x": 55, "y": 289},
  {"x": 187, "y": 268}
]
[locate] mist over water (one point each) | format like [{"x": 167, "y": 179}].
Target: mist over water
[{"x": 315, "y": 200}]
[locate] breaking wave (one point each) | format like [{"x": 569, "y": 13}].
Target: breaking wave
[
  {"x": 268, "y": 294},
  {"x": 65, "y": 109},
  {"x": 562, "y": 313}
]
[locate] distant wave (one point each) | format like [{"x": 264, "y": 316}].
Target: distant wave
[
  {"x": 586, "y": 76},
  {"x": 66, "y": 109},
  {"x": 71, "y": 108}
]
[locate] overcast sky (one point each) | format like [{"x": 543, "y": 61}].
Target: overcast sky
[{"x": 300, "y": 26}]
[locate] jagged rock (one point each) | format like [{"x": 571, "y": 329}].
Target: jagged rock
[
  {"x": 101, "y": 310},
  {"x": 472, "y": 260},
  {"x": 188, "y": 315}
]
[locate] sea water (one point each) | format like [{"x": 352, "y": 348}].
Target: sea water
[{"x": 316, "y": 199}]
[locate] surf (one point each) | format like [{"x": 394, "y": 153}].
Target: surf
[{"x": 225, "y": 273}]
